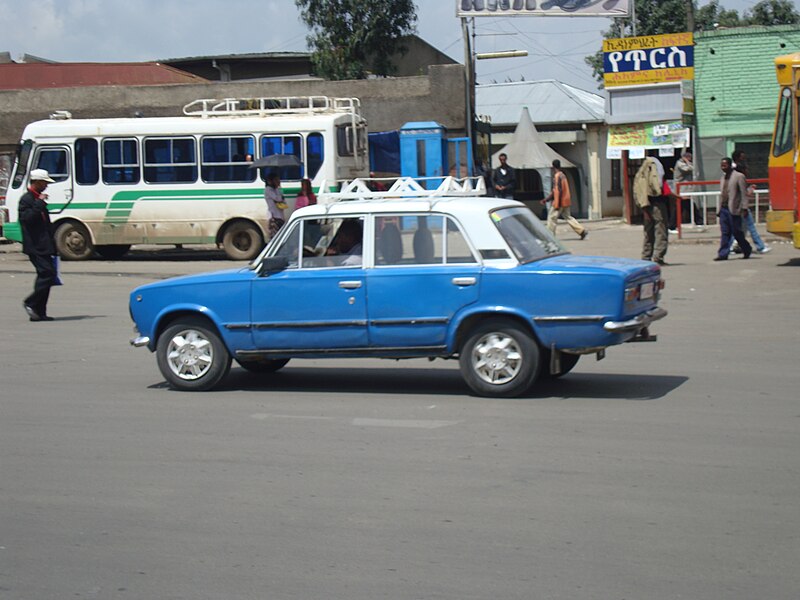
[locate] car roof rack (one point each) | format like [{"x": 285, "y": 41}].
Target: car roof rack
[
  {"x": 264, "y": 106},
  {"x": 407, "y": 188}
]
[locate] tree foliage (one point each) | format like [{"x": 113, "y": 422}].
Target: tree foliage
[
  {"x": 350, "y": 38},
  {"x": 654, "y": 17},
  {"x": 773, "y": 12}
]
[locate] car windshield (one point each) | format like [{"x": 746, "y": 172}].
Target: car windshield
[{"x": 527, "y": 236}]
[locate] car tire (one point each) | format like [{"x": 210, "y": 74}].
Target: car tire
[
  {"x": 192, "y": 356},
  {"x": 113, "y": 251},
  {"x": 568, "y": 362},
  {"x": 499, "y": 359},
  {"x": 263, "y": 366},
  {"x": 242, "y": 240},
  {"x": 73, "y": 241}
]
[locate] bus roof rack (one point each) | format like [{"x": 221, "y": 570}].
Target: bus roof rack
[
  {"x": 262, "y": 107},
  {"x": 409, "y": 188}
]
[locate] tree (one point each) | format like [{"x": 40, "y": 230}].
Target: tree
[
  {"x": 351, "y": 37},
  {"x": 773, "y": 12},
  {"x": 712, "y": 16}
]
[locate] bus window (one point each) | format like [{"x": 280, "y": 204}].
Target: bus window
[
  {"x": 225, "y": 159},
  {"x": 23, "y": 154},
  {"x": 284, "y": 144},
  {"x": 784, "y": 128},
  {"x": 315, "y": 154},
  {"x": 86, "y": 170},
  {"x": 344, "y": 140},
  {"x": 170, "y": 160},
  {"x": 54, "y": 161},
  {"x": 121, "y": 161}
]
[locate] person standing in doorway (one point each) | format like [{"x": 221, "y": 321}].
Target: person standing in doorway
[
  {"x": 504, "y": 180},
  {"x": 733, "y": 201},
  {"x": 648, "y": 191},
  {"x": 275, "y": 203},
  {"x": 561, "y": 201},
  {"x": 38, "y": 243}
]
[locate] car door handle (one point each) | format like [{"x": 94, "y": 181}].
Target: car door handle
[
  {"x": 350, "y": 285},
  {"x": 464, "y": 281}
]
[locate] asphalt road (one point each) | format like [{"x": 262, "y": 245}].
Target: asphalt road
[{"x": 667, "y": 470}]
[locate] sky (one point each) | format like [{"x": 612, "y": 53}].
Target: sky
[{"x": 147, "y": 30}]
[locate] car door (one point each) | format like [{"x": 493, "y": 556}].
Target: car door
[
  {"x": 425, "y": 272},
  {"x": 316, "y": 305}
]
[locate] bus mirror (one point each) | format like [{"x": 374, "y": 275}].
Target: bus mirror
[{"x": 273, "y": 264}]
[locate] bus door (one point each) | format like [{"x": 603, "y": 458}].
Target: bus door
[{"x": 55, "y": 159}]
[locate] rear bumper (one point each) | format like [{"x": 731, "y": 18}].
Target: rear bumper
[{"x": 636, "y": 323}]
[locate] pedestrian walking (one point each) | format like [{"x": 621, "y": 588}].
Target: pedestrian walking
[
  {"x": 560, "y": 200},
  {"x": 733, "y": 200},
  {"x": 38, "y": 243}
]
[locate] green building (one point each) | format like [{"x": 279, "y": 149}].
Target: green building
[{"x": 736, "y": 93}]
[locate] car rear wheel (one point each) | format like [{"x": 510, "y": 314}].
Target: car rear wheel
[
  {"x": 191, "y": 355},
  {"x": 73, "y": 241},
  {"x": 499, "y": 359},
  {"x": 242, "y": 241},
  {"x": 265, "y": 365}
]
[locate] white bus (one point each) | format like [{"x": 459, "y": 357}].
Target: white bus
[{"x": 184, "y": 180}]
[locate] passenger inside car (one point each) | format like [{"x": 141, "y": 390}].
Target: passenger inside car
[{"x": 348, "y": 243}]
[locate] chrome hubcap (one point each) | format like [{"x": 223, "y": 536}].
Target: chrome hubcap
[
  {"x": 190, "y": 354},
  {"x": 496, "y": 358}
]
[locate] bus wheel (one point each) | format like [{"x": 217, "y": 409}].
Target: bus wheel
[
  {"x": 73, "y": 241},
  {"x": 242, "y": 241},
  {"x": 113, "y": 252}
]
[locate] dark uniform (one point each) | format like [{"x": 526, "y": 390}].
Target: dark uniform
[{"x": 38, "y": 243}]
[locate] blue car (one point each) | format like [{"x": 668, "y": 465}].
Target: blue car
[{"x": 403, "y": 273}]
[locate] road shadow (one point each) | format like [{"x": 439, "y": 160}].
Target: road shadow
[
  {"x": 792, "y": 262},
  {"x": 78, "y": 318},
  {"x": 175, "y": 255},
  {"x": 445, "y": 382}
]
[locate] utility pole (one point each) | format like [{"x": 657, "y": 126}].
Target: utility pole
[{"x": 690, "y": 16}]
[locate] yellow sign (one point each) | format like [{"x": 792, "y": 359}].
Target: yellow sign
[{"x": 648, "y": 59}]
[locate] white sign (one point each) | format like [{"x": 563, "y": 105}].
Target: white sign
[{"x": 542, "y": 8}]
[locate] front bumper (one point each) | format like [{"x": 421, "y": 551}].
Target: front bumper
[
  {"x": 140, "y": 341},
  {"x": 636, "y": 323}
]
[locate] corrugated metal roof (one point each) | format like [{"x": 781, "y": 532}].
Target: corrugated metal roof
[
  {"x": 16, "y": 76},
  {"x": 549, "y": 102}
]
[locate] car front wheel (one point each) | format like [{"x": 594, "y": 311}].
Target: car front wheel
[
  {"x": 499, "y": 359},
  {"x": 191, "y": 355}
]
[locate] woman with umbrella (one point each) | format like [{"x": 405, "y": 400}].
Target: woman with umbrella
[{"x": 275, "y": 203}]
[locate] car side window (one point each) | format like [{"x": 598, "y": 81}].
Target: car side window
[
  {"x": 457, "y": 248},
  {"x": 325, "y": 243},
  {"x": 421, "y": 239}
]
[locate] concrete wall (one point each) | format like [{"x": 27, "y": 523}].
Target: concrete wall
[{"x": 386, "y": 103}]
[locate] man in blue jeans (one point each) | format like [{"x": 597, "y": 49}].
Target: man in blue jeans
[{"x": 733, "y": 200}]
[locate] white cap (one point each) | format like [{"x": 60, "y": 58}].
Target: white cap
[{"x": 41, "y": 175}]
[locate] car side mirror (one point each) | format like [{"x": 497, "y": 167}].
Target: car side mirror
[{"x": 273, "y": 264}]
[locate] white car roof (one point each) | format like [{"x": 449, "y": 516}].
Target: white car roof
[{"x": 471, "y": 212}]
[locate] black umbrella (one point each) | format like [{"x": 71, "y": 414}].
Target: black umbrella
[{"x": 276, "y": 160}]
